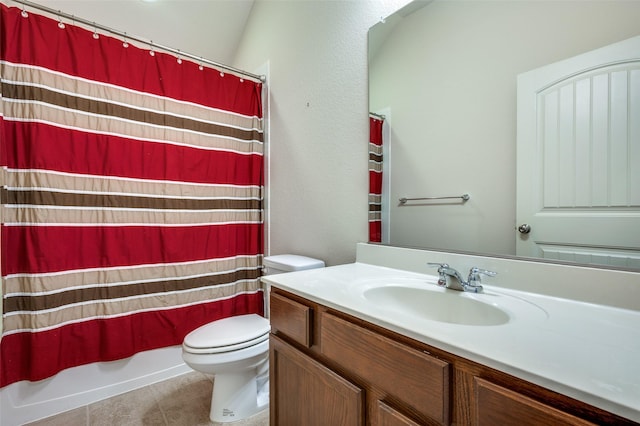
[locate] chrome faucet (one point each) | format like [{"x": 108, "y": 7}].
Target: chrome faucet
[{"x": 450, "y": 278}]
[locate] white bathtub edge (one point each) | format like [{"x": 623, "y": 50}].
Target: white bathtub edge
[{"x": 25, "y": 402}]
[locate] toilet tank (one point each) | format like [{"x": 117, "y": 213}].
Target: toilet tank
[
  {"x": 285, "y": 263},
  {"x": 289, "y": 263}
]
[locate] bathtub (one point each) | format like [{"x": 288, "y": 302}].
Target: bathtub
[{"x": 24, "y": 402}]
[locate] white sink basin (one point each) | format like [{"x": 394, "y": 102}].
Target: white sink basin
[
  {"x": 426, "y": 301},
  {"x": 452, "y": 306}
]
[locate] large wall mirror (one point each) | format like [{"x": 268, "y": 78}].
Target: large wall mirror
[{"x": 445, "y": 75}]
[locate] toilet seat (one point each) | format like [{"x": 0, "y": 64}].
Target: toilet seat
[
  {"x": 227, "y": 335},
  {"x": 227, "y": 348}
]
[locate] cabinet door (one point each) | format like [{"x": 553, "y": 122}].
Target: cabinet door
[
  {"x": 496, "y": 405},
  {"x": 304, "y": 392},
  {"x": 388, "y": 416}
]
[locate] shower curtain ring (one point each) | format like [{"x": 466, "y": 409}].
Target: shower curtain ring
[
  {"x": 24, "y": 12},
  {"x": 95, "y": 31},
  {"x": 151, "y": 52},
  {"x": 179, "y": 60},
  {"x": 60, "y": 23},
  {"x": 125, "y": 43}
]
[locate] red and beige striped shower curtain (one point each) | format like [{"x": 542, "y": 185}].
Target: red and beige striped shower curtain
[
  {"x": 375, "y": 179},
  {"x": 131, "y": 199}
]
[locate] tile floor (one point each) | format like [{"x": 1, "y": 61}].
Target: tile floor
[{"x": 182, "y": 401}]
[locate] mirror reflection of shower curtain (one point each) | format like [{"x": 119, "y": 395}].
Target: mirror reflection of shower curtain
[
  {"x": 375, "y": 178},
  {"x": 131, "y": 200}
]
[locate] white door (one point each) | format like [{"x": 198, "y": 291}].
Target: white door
[{"x": 578, "y": 162}]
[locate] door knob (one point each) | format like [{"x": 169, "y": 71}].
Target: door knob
[{"x": 524, "y": 228}]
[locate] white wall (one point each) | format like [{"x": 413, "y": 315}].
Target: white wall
[
  {"x": 317, "y": 55},
  {"x": 454, "y": 112}
]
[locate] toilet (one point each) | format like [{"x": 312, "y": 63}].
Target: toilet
[{"x": 236, "y": 351}]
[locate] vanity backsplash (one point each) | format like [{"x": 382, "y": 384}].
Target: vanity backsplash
[{"x": 608, "y": 287}]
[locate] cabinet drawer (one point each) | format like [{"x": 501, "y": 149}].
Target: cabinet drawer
[
  {"x": 291, "y": 318},
  {"x": 409, "y": 375},
  {"x": 497, "y": 405}
]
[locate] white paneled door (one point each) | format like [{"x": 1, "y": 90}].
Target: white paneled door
[{"x": 579, "y": 158}]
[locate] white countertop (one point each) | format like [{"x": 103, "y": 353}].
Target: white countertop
[{"x": 587, "y": 351}]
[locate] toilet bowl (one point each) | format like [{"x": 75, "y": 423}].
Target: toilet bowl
[{"x": 236, "y": 351}]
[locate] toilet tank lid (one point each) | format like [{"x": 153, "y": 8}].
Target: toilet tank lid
[
  {"x": 292, "y": 262},
  {"x": 228, "y": 331}
]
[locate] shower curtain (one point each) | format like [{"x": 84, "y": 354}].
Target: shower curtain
[
  {"x": 375, "y": 179},
  {"x": 131, "y": 199}
]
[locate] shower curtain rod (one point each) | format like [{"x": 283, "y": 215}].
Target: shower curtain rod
[
  {"x": 126, "y": 36},
  {"x": 380, "y": 116}
]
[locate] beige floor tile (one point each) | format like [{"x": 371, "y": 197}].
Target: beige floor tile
[
  {"x": 137, "y": 407},
  {"x": 182, "y": 401},
  {"x": 185, "y": 400}
]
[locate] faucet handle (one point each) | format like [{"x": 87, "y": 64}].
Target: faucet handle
[
  {"x": 442, "y": 279},
  {"x": 475, "y": 275}
]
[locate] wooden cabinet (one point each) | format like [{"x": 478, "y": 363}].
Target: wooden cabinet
[
  {"x": 329, "y": 368},
  {"x": 388, "y": 416},
  {"x": 293, "y": 319},
  {"x": 496, "y": 405},
  {"x": 404, "y": 373},
  {"x": 304, "y": 392}
]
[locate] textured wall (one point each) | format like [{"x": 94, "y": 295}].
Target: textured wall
[{"x": 317, "y": 57}]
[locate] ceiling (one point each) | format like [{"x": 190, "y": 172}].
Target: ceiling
[{"x": 211, "y": 29}]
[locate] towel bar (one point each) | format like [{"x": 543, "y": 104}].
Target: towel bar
[{"x": 464, "y": 198}]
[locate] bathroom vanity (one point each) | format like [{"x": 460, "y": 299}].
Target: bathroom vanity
[{"x": 341, "y": 354}]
